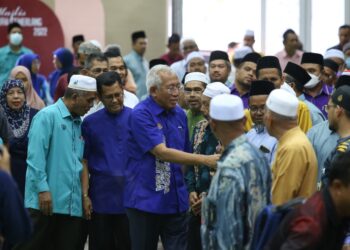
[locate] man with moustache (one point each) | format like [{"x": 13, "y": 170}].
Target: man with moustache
[
  {"x": 219, "y": 67},
  {"x": 194, "y": 86}
]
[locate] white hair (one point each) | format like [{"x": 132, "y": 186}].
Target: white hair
[{"x": 153, "y": 76}]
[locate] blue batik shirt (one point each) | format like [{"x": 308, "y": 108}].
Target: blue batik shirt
[
  {"x": 153, "y": 185},
  {"x": 239, "y": 189}
]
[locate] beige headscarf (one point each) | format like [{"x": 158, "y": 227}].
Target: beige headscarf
[{"x": 32, "y": 98}]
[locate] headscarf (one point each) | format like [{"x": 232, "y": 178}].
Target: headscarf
[
  {"x": 26, "y": 60},
  {"x": 32, "y": 97},
  {"x": 18, "y": 120},
  {"x": 66, "y": 59}
]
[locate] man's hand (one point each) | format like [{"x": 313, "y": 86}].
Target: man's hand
[
  {"x": 210, "y": 160},
  {"x": 5, "y": 164},
  {"x": 193, "y": 198},
  {"x": 45, "y": 203},
  {"x": 87, "y": 205}
]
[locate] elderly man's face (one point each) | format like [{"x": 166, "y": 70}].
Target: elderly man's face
[
  {"x": 188, "y": 46},
  {"x": 112, "y": 98},
  {"x": 196, "y": 65},
  {"x": 219, "y": 71},
  {"x": 193, "y": 92},
  {"x": 167, "y": 95},
  {"x": 249, "y": 41},
  {"x": 83, "y": 103},
  {"x": 97, "y": 68}
]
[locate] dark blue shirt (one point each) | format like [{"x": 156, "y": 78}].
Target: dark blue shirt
[
  {"x": 153, "y": 185},
  {"x": 105, "y": 136}
]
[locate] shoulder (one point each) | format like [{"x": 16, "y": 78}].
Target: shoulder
[
  {"x": 241, "y": 154},
  {"x": 98, "y": 115},
  {"x": 6, "y": 181},
  {"x": 343, "y": 146}
]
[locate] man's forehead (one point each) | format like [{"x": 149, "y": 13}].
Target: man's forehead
[
  {"x": 97, "y": 63},
  {"x": 217, "y": 61}
]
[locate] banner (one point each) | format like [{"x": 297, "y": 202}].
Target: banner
[{"x": 42, "y": 31}]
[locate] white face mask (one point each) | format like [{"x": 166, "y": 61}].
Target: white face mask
[
  {"x": 16, "y": 39},
  {"x": 313, "y": 81}
]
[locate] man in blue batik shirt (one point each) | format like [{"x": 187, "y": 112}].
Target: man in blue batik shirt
[
  {"x": 241, "y": 185},
  {"x": 55, "y": 151},
  {"x": 155, "y": 192}
]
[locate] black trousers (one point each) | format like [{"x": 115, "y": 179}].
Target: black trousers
[
  {"x": 145, "y": 229},
  {"x": 109, "y": 231},
  {"x": 55, "y": 232},
  {"x": 194, "y": 232}
]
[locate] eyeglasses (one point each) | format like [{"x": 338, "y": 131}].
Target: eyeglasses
[
  {"x": 328, "y": 106},
  {"x": 197, "y": 91},
  {"x": 174, "y": 89},
  {"x": 112, "y": 96},
  {"x": 256, "y": 109}
]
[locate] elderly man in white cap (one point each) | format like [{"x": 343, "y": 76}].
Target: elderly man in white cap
[
  {"x": 337, "y": 56},
  {"x": 241, "y": 185},
  {"x": 294, "y": 169},
  {"x": 194, "y": 86},
  {"x": 198, "y": 177},
  {"x": 53, "y": 192}
]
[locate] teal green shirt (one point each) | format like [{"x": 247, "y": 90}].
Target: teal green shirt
[
  {"x": 8, "y": 60},
  {"x": 55, "y": 151},
  {"x": 192, "y": 121}
]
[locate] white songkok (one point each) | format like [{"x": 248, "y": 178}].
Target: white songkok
[
  {"x": 226, "y": 108},
  {"x": 216, "y": 88},
  {"x": 196, "y": 76},
  {"x": 249, "y": 33},
  {"x": 242, "y": 52},
  {"x": 283, "y": 103},
  {"x": 192, "y": 55},
  {"x": 334, "y": 53},
  {"x": 80, "y": 82}
]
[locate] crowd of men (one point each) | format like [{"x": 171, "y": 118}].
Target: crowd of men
[{"x": 182, "y": 150}]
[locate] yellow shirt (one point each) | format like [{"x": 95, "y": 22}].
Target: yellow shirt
[
  {"x": 304, "y": 118},
  {"x": 294, "y": 170}
]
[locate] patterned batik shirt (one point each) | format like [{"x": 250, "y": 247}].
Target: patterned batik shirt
[{"x": 239, "y": 189}]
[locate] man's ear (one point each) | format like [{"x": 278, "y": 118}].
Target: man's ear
[{"x": 153, "y": 91}]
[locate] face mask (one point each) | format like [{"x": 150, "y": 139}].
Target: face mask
[
  {"x": 313, "y": 82},
  {"x": 16, "y": 39},
  {"x": 347, "y": 62}
]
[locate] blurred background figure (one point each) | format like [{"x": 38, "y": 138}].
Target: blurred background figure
[
  {"x": 40, "y": 84},
  {"x": 63, "y": 63},
  {"x": 174, "y": 54},
  {"x": 76, "y": 41}
]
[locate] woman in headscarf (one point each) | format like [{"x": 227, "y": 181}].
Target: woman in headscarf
[
  {"x": 40, "y": 84},
  {"x": 23, "y": 74},
  {"x": 63, "y": 62},
  {"x": 19, "y": 116}
]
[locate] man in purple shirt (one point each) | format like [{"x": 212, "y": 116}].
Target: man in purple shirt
[
  {"x": 155, "y": 192},
  {"x": 245, "y": 74},
  {"x": 316, "y": 91},
  {"x": 105, "y": 135},
  {"x": 290, "y": 53}
]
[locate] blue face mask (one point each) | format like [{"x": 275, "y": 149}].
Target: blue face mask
[{"x": 347, "y": 62}]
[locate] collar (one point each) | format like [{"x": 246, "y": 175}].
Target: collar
[
  {"x": 287, "y": 134},
  {"x": 8, "y": 50},
  {"x": 156, "y": 108},
  {"x": 233, "y": 144},
  {"x": 65, "y": 112},
  {"x": 136, "y": 54}
]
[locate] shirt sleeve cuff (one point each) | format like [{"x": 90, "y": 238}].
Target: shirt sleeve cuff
[{"x": 43, "y": 186}]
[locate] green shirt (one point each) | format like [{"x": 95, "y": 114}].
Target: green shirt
[
  {"x": 192, "y": 120},
  {"x": 55, "y": 152},
  {"x": 8, "y": 60}
]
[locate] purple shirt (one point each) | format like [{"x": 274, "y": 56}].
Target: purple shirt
[
  {"x": 245, "y": 97},
  {"x": 105, "y": 136},
  {"x": 153, "y": 185},
  {"x": 321, "y": 100}
]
